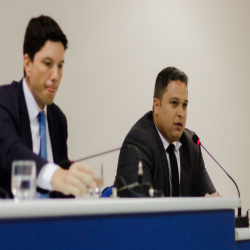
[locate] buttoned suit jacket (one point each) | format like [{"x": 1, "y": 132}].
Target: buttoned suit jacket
[
  {"x": 15, "y": 132},
  {"x": 194, "y": 179}
]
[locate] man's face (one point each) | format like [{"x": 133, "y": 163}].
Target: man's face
[
  {"x": 44, "y": 74},
  {"x": 171, "y": 113}
]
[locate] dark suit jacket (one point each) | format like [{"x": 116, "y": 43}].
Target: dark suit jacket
[
  {"x": 15, "y": 133},
  {"x": 195, "y": 180}
]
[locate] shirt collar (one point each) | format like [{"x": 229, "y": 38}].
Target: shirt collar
[
  {"x": 177, "y": 144},
  {"x": 32, "y": 106}
]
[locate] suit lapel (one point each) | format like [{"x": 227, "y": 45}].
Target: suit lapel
[
  {"x": 24, "y": 118},
  {"x": 53, "y": 132},
  {"x": 165, "y": 171},
  {"x": 185, "y": 169},
  {"x": 164, "y": 163}
]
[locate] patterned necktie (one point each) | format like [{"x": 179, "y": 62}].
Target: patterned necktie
[
  {"x": 43, "y": 145},
  {"x": 174, "y": 171}
]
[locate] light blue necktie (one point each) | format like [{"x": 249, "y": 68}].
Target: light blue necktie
[{"x": 43, "y": 149}]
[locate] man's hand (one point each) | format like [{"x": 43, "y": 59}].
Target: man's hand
[
  {"x": 216, "y": 194},
  {"x": 76, "y": 181}
]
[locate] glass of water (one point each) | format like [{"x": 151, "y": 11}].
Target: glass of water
[
  {"x": 23, "y": 179},
  {"x": 98, "y": 178}
]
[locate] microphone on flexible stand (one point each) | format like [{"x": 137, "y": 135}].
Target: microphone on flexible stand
[
  {"x": 140, "y": 165},
  {"x": 138, "y": 189},
  {"x": 140, "y": 173},
  {"x": 240, "y": 221}
]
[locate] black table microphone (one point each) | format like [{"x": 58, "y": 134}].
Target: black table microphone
[
  {"x": 240, "y": 221},
  {"x": 139, "y": 189}
]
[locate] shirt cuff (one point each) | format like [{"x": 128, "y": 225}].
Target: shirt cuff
[{"x": 44, "y": 177}]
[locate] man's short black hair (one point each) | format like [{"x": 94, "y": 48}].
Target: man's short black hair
[
  {"x": 40, "y": 30},
  {"x": 164, "y": 77}
]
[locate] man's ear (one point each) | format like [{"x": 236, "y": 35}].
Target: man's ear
[
  {"x": 27, "y": 64},
  {"x": 156, "y": 105}
]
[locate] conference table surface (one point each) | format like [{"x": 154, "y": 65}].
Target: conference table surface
[
  {"x": 119, "y": 223},
  {"x": 105, "y": 206}
]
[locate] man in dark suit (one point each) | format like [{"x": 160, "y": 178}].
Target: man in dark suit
[
  {"x": 172, "y": 162},
  {"x": 22, "y": 104}
]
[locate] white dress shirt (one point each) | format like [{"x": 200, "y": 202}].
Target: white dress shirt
[
  {"x": 46, "y": 173},
  {"x": 177, "y": 154}
]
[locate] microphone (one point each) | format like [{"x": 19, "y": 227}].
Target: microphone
[
  {"x": 140, "y": 165},
  {"x": 240, "y": 221},
  {"x": 139, "y": 189}
]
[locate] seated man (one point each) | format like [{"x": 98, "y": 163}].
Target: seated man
[
  {"x": 32, "y": 126},
  {"x": 172, "y": 162}
]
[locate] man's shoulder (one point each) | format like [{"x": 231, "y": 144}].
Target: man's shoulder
[
  {"x": 9, "y": 88},
  {"x": 144, "y": 123},
  {"x": 144, "y": 129},
  {"x": 9, "y": 94},
  {"x": 143, "y": 126}
]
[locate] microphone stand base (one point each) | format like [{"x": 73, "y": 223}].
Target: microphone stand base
[
  {"x": 241, "y": 221},
  {"x": 137, "y": 190}
]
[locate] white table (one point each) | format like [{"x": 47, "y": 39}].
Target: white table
[{"x": 142, "y": 223}]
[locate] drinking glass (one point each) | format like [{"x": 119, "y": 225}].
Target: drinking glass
[
  {"x": 98, "y": 178},
  {"x": 23, "y": 179}
]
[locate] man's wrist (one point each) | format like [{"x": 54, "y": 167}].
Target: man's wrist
[{"x": 45, "y": 176}]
